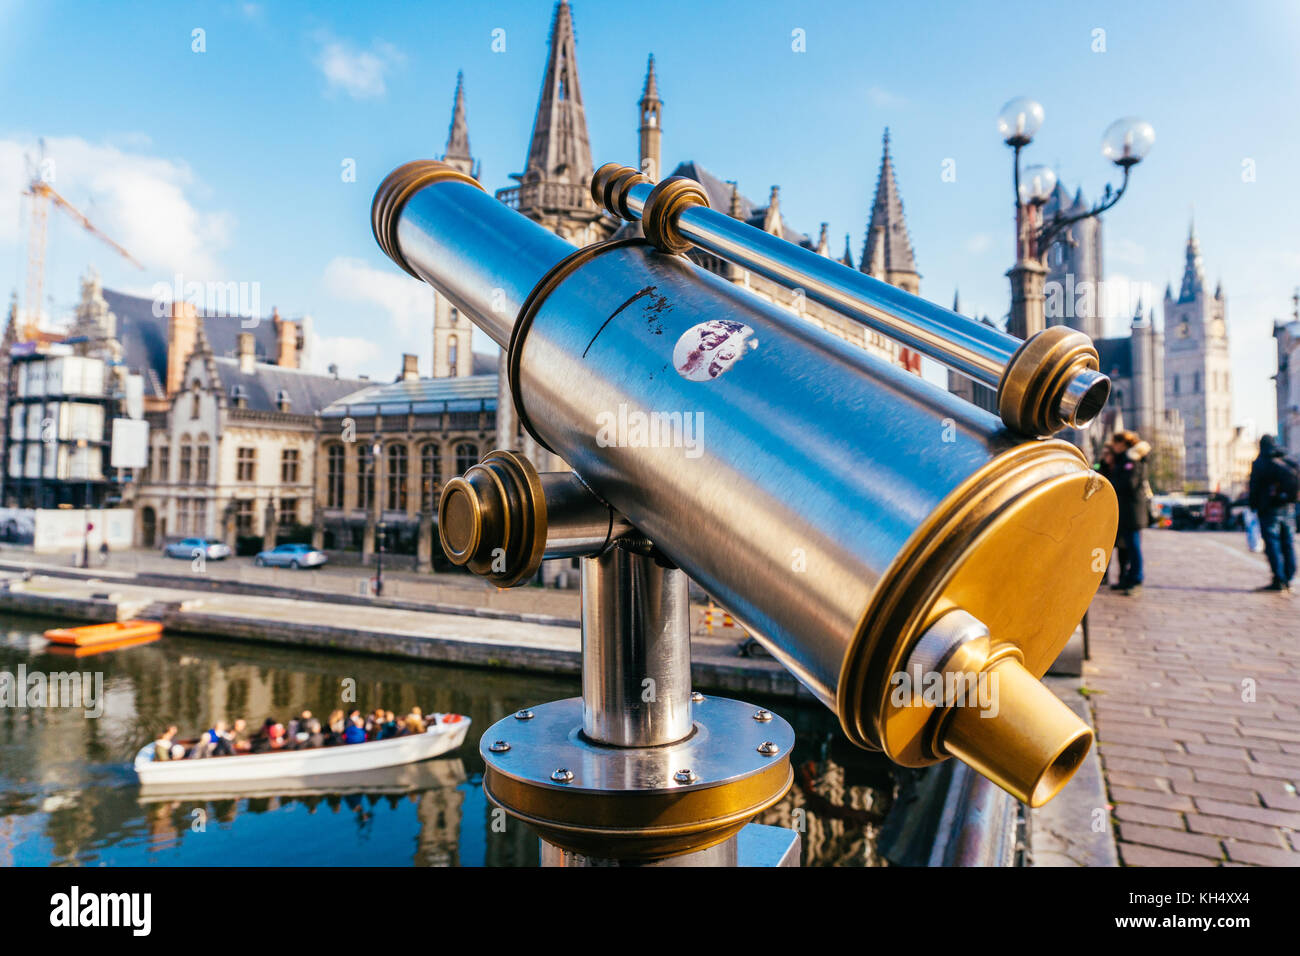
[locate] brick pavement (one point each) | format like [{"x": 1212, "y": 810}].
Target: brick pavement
[{"x": 1195, "y": 690}]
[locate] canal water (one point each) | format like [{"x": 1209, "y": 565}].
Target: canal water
[{"x": 68, "y": 795}]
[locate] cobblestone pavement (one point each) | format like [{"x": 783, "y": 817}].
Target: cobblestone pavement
[{"x": 1195, "y": 690}]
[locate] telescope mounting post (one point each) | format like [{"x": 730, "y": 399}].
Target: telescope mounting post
[{"x": 640, "y": 770}]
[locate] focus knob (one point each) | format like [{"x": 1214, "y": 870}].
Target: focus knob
[{"x": 492, "y": 519}]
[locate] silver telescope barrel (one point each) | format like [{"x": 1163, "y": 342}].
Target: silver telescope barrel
[
  {"x": 680, "y": 217},
  {"x": 450, "y": 237},
  {"x": 845, "y": 510}
]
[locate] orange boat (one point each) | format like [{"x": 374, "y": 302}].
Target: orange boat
[
  {"x": 95, "y": 635},
  {"x": 71, "y": 650}
]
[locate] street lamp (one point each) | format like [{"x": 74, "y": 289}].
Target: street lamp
[{"x": 1125, "y": 143}]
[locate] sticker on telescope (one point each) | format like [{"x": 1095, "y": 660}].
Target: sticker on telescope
[{"x": 706, "y": 351}]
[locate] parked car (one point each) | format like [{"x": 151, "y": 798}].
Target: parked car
[
  {"x": 291, "y": 556},
  {"x": 189, "y": 547}
]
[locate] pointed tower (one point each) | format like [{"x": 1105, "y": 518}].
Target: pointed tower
[
  {"x": 772, "y": 216},
  {"x": 824, "y": 242},
  {"x": 651, "y": 123},
  {"x": 457, "y": 153},
  {"x": 1198, "y": 374},
  {"x": 847, "y": 258},
  {"x": 887, "y": 251},
  {"x": 555, "y": 187}
]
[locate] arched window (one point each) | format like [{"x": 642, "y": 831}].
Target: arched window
[
  {"x": 396, "y": 477},
  {"x": 203, "y": 450},
  {"x": 451, "y": 355},
  {"x": 430, "y": 476},
  {"x": 366, "y": 466},
  {"x": 336, "y": 466},
  {"x": 187, "y": 460},
  {"x": 466, "y": 456}
]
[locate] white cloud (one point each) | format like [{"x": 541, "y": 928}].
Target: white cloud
[
  {"x": 882, "y": 98},
  {"x": 978, "y": 243},
  {"x": 407, "y": 302},
  {"x": 352, "y": 355},
  {"x": 359, "y": 73},
  {"x": 144, "y": 203}
]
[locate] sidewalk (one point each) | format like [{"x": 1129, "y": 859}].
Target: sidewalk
[{"x": 1195, "y": 690}]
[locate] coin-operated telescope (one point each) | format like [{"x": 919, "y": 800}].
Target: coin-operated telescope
[{"x": 915, "y": 561}]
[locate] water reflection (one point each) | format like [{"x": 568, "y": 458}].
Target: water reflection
[{"x": 68, "y": 795}]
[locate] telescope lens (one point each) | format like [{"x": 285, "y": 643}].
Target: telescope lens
[{"x": 1084, "y": 398}]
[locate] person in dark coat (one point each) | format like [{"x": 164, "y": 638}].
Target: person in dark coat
[
  {"x": 1272, "y": 496},
  {"x": 1105, "y": 467},
  {"x": 1128, "y": 476}
]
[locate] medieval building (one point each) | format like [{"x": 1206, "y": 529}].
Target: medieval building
[
  {"x": 1197, "y": 373},
  {"x": 1288, "y": 379}
]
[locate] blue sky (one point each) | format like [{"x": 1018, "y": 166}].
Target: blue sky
[{"x": 225, "y": 165}]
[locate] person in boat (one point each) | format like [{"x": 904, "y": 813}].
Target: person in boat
[
  {"x": 356, "y": 730},
  {"x": 201, "y": 748},
  {"x": 415, "y": 721},
  {"x": 165, "y": 746},
  {"x": 388, "y": 726},
  {"x": 238, "y": 742},
  {"x": 218, "y": 744},
  {"x": 314, "y": 736},
  {"x": 338, "y": 723},
  {"x": 270, "y": 737}
]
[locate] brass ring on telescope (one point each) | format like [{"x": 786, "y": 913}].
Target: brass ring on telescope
[
  {"x": 639, "y": 825},
  {"x": 1036, "y": 378},
  {"x": 398, "y": 187},
  {"x": 665, "y": 203},
  {"x": 492, "y": 519},
  {"x": 533, "y": 304},
  {"x": 609, "y": 187},
  {"x": 1037, "y": 498}
]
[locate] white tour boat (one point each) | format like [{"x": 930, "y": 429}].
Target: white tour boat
[{"x": 440, "y": 738}]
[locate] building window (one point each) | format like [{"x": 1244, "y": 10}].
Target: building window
[
  {"x": 239, "y": 395},
  {"x": 1176, "y": 383},
  {"x": 282, "y": 401},
  {"x": 366, "y": 466},
  {"x": 246, "y": 464},
  {"x": 244, "y": 516},
  {"x": 288, "y": 511},
  {"x": 201, "y": 516},
  {"x": 336, "y": 465},
  {"x": 148, "y": 466},
  {"x": 1196, "y": 382},
  {"x": 187, "y": 460},
  {"x": 201, "y": 468},
  {"x": 164, "y": 464},
  {"x": 451, "y": 355},
  {"x": 466, "y": 456},
  {"x": 396, "y": 477},
  {"x": 182, "y": 515},
  {"x": 289, "y": 466},
  {"x": 194, "y": 402},
  {"x": 430, "y": 476}
]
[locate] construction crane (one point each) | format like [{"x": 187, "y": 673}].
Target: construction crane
[{"x": 43, "y": 195}]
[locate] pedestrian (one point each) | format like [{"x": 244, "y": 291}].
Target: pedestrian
[
  {"x": 1129, "y": 479},
  {"x": 1106, "y": 468},
  {"x": 1273, "y": 491}
]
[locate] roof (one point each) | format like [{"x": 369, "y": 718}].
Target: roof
[
  {"x": 144, "y": 337},
  {"x": 308, "y": 392},
  {"x": 719, "y": 194},
  {"x": 1115, "y": 357},
  {"x": 455, "y": 394}
]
